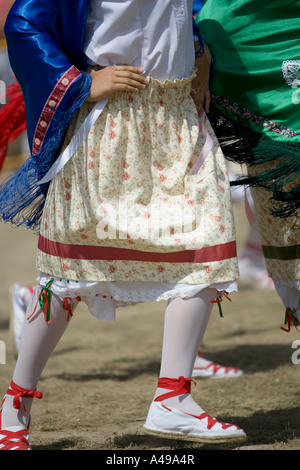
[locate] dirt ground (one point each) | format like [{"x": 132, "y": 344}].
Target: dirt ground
[{"x": 101, "y": 378}]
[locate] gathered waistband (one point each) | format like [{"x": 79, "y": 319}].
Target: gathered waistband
[{"x": 182, "y": 86}]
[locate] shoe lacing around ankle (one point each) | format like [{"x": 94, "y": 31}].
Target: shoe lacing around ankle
[
  {"x": 18, "y": 392},
  {"x": 181, "y": 386},
  {"x": 212, "y": 421}
]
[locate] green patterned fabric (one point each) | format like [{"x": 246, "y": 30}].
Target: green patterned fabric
[
  {"x": 251, "y": 39},
  {"x": 256, "y": 90}
]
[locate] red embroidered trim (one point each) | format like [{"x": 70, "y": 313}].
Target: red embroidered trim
[
  {"x": 51, "y": 106},
  {"x": 203, "y": 255}
]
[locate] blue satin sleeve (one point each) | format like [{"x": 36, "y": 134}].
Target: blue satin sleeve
[
  {"x": 37, "y": 51},
  {"x": 197, "y": 6},
  {"x": 45, "y": 45}
]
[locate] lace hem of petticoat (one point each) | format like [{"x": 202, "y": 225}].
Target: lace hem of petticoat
[{"x": 102, "y": 298}]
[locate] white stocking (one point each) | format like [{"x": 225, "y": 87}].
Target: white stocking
[
  {"x": 37, "y": 343},
  {"x": 185, "y": 324}
]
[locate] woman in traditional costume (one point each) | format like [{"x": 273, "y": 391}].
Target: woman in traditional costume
[{"x": 255, "y": 114}]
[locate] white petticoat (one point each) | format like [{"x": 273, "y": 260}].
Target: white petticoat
[
  {"x": 289, "y": 292},
  {"x": 103, "y": 298}
]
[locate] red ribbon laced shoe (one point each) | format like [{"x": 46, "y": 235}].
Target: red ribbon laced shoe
[
  {"x": 163, "y": 421},
  {"x": 16, "y": 437}
]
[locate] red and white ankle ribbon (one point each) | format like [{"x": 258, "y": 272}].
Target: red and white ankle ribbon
[
  {"x": 18, "y": 392},
  {"x": 179, "y": 386}
]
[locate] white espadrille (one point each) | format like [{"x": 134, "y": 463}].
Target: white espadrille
[{"x": 163, "y": 421}]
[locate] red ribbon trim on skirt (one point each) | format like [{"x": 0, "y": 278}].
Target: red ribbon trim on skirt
[{"x": 202, "y": 255}]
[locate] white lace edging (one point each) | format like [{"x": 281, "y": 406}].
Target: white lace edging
[{"x": 103, "y": 298}]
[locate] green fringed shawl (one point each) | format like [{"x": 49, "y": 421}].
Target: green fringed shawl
[{"x": 255, "y": 106}]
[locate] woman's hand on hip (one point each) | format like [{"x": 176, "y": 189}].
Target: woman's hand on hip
[{"x": 115, "y": 78}]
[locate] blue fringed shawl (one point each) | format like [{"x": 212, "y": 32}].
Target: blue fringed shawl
[
  {"x": 21, "y": 197},
  {"x": 49, "y": 64}
]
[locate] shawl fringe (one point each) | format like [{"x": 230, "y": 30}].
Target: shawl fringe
[{"x": 241, "y": 144}]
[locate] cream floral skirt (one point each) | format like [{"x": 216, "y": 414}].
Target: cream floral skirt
[
  {"x": 280, "y": 243},
  {"x": 143, "y": 209}
]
